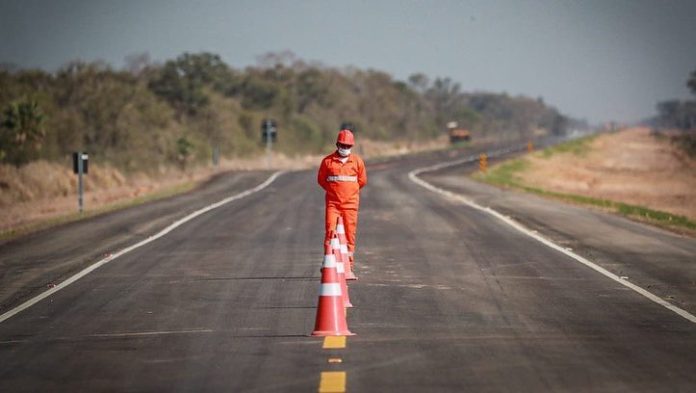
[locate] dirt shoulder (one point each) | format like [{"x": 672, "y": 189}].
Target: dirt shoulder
[
  {"x": 43, "y": 194},
  {"x": 629, "y": 166}
]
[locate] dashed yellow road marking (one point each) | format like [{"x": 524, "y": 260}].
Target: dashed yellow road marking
[
  {"x": 332, "y": 382},
  {"x": 335, "y": 360},
  {"x": 334, "y": 342}
]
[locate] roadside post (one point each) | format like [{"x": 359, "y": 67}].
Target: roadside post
[
  {"x": 80, "y": 167},
  {"x": 530, "y": 147},
  {"x": 269, "y": 134},
  {"x": 483, "y": 162},
  {"x": 216, "y": 156}
]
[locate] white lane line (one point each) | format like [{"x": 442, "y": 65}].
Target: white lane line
[
  {"x": 413, "y": 175},
  {"x": 9, "y": 314}
]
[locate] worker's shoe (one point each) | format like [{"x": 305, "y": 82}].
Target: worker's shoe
[{"x": 349, "y": 269}]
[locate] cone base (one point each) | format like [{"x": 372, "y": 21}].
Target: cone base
[
  {"x": 351, "y": 276},
  {"x": 332, "y": 333}
]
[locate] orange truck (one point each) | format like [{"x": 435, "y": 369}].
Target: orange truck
[{"x": 457, "y": 134}]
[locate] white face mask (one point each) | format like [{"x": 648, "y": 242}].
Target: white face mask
[{"x": 343, "y": 152}]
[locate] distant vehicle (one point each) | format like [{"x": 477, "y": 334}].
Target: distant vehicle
[{"x": 457, "y": 134}]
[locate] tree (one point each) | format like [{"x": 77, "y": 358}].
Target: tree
[
  {"x": 311, "y": 89},
  {"x": 258, "y": 93},
  {"x": 419, "y": 82},
  {"x": 184, "y": 149},
  {"x": 181, "y": 81},
  {"x": 21, "y": 132}
]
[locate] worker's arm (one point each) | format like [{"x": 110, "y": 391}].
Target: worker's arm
[
  {"x": 362, "y": 174},
  {"x": 321, "y": 176}
]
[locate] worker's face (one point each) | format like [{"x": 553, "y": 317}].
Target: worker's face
[{"x": 343, "y": 150}]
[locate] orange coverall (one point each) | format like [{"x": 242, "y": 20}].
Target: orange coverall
[{"x": 342, "y": 182}]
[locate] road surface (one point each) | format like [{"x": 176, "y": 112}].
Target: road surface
[{"x": 449, "y": 298}]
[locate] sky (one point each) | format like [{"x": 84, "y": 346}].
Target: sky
[{"x": 598, "y": 60}]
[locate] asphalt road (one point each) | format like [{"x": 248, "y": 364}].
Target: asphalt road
[{"x": 449, "y": 299}]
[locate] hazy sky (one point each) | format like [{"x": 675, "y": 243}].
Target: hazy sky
[{"x": 599, "y": 60}]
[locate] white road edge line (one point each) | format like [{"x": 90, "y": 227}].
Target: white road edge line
[
  {"x": 413, "y": 175},
  {"x": 9, "y": 314}
]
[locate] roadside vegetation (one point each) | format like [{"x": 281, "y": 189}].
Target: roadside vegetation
[
  {"x": 520, "y": 173},
  {"x": 676, "y": 119},
  {"x": 149, "y": 115},
  {"x": 578, "y": 147},
  {"x": 148, "y": 124},
  {"x": 644, "y": 174}
]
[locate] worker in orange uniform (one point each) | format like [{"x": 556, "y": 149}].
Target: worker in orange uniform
[{"x": 342, "y": 175}]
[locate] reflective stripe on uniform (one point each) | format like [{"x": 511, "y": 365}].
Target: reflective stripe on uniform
[
  {"x": 353, "y": 179},
  {"x": 332, "y": 289}
]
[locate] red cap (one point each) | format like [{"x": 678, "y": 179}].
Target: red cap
[{"x": 345, "y": 137}]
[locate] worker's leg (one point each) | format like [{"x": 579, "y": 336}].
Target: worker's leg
[
  {"x": 331, "y": 216},
  {"x": 350, "y": 221}
]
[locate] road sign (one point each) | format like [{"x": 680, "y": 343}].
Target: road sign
[
  {"x": 269, "y": 130},
  {"x": 80, "y": 167},
  {"x": 84, "y": 157},
  {"x": 269, "y": 134}
]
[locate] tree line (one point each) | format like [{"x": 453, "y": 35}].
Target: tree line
[
  {"x": 680, "y": 115},
  {"x": 148, "y": 115}
]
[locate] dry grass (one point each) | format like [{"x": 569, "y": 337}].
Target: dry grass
[
  {"x": 630, "y": 166},
  {"x": 42, "y": 193}
]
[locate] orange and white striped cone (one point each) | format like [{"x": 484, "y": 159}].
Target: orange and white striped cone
[
  {"x": 347, "y": 258},
  {"x": 331, "y": 315},
  {"x": 334, "y": 249}
]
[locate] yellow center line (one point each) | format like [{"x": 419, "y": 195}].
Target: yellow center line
[
  {"x": 332, "y": 382},
  {"x": 334, "y": 342}
]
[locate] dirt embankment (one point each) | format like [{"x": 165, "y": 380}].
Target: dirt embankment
[{"x": 630, "y": 166}]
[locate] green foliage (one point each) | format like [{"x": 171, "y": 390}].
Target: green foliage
[
  {"x": 21, "y": 132},
  {"x": 135, "y": 119},
  {"x": 181, "y": 81},
  {"x": 508, "y": 174},
  {"x": 678, "y": 114},
  {"x": 257, "y": 93},
  {"x": 579, "y": 147},
  {"x": 184, "y": 148}
]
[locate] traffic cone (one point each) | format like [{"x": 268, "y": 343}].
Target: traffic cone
[
  {"x": 334, "y": 249},
  {"x": 331, "y": 316},
  {"x": 348, "y": 259}
]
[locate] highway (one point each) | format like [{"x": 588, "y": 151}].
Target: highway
[{"x": 449, "y": 297}]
